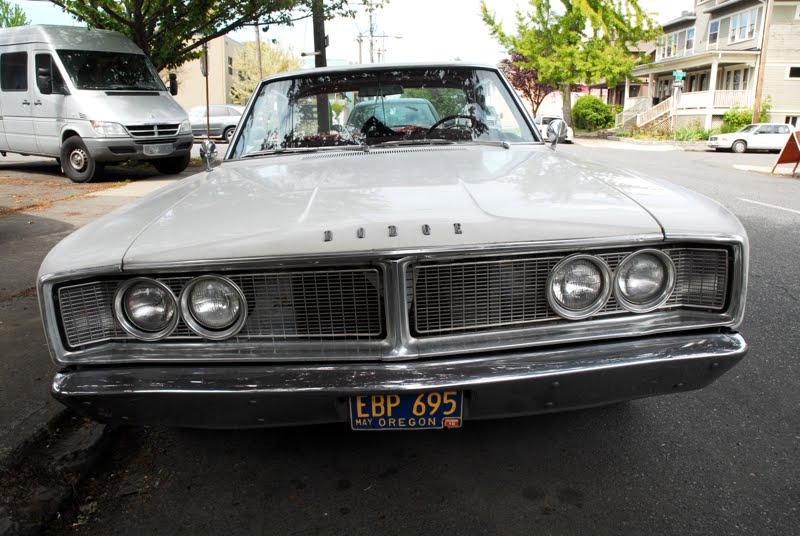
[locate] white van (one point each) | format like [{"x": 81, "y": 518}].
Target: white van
[{"x": 87, "y": 97}]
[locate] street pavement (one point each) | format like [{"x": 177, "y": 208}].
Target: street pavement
[{"x": 722, "y": 460}]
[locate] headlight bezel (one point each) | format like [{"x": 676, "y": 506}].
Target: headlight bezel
[
  {"x": 196, "y": 326},
  {"x": 662, "y": 297},
  {"x": 129, "y": 326},
  {"x": 602, "y": 297},
  {"x": 109, "y": 129}
]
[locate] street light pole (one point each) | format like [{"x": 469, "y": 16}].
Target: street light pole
[{"x": 258, "y": 53}]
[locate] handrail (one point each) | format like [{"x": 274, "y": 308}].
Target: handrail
[{"x": 656, "y": 111}]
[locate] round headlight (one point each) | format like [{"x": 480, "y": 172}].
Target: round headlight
[
  {"x": 644, "y": 280},
  {"x": 214, "y": 306},
  {"x": 146, "y": 308},
  {"x": 578, "y": 286}
]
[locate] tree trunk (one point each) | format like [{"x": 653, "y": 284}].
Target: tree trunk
[{"x": 566, "y": 97}]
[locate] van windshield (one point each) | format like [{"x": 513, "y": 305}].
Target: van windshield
[{"x": 110, "y": 70}]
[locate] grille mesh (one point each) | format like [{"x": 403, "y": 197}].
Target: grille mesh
[
  {"x": 143, "y": 131},
  {"x": 457, "y": 297},
  {"x": 452, "y": 297},
  {"x": 310, "y": 305}
]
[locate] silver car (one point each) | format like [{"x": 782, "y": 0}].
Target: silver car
[
  {"x": 224, "y": 118},
  {"x": 393, "y": 278}
]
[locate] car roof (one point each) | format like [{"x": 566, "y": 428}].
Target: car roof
[{"x": 359, "y": 67}]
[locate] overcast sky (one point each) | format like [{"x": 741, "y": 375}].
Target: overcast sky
[{"x": 418, "y": 30}]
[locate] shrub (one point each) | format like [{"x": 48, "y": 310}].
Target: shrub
[
  {"x": 738, "y": 116},
  {"x": 624, "y": 134},
  {"x": 591, "y": 113}
]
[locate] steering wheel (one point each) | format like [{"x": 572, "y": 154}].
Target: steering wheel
[{"x": 438, "y": 123}]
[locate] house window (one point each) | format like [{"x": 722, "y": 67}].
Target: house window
[
  {"x": 737, "y": 79},
  {"x": 230, "y": 65},
  {"x": 794, "y": 72},
  {"x": 713, "y": 34},
  {"x": 689, "y": 40},
  {"x": 793, "y": 120},
  {"x": 743, "y": 26}
]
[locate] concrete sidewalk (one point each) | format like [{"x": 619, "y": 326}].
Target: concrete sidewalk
[{"x": 39, "y": 207}]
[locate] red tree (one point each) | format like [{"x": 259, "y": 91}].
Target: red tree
[{"x": 526, "y": 81}]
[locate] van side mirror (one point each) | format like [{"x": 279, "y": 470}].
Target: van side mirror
[
  {"x": 173, "y": 84},
  {"x": 44, "y": 80}
]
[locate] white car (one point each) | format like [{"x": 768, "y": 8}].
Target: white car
[
  {"x": 764, "y": 136},
  {"x": 405, "y": 276},
  {"x": 545, "y": 120}
]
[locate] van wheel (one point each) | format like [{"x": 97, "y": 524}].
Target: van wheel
[
  {"x": 739, "y": 146},
  {"x": 228, "y": 134},
  {"x": 76, "y": 161},
  {"x": 172, "y": 166}
]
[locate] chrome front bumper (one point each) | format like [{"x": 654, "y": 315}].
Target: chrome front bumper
[{"x": 498, "y": 385}]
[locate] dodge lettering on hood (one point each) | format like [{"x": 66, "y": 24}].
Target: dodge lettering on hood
[{"x": 378, "y": 249}]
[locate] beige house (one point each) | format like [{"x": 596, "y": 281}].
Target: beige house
[
  {"x": 222, "y": 52},
  {"x": 718, "y": 46}
]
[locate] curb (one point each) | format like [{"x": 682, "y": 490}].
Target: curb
[
  {"x": 684, "y": 145},
  {"x": 41, "y": 482}
]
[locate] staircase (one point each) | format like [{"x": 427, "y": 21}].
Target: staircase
[{"x": 654, "y": 113}]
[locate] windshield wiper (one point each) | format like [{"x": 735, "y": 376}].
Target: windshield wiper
[
  {"x": 290, "y": 150},
  {"x": 400, "y": 143},
  {"x": 503, "y": 144}
]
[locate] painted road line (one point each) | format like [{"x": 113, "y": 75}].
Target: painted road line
[{"x": 768, "y": 205}]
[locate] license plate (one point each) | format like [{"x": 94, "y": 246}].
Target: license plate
[
  {"x": 417, "y": 411},
  {"x": 156, "y": 149}
]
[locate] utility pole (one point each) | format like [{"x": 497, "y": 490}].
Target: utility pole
[
  {"x": 371, "y": 37},
  {"x": 258, "y": 52},
  {"x": 762, "y": 60},
  {"x": 320, "y": 60}
]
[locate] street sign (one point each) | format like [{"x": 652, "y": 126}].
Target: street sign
[
  {"x": 677, "y": 83},
  {"x": 679, "y": 74}
]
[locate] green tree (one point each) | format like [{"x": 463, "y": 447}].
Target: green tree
[
  {"x": 171, "y": 32},
  {"x": 274, "y": 59},
  {"x": 586, "y": 41},
  {"x": 12, "y": 15}
]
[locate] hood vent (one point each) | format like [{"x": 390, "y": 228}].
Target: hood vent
[
  {"x": 132, "y": 93},
  {"x": 375, "y": 152}
]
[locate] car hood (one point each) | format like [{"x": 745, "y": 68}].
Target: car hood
[
  {"x": 432, "y": 198},
  {"x": 284, "y": 205},
  {"x": 128, "y": 107}
]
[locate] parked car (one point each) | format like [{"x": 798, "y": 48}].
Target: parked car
[
  {"x": 224, "y": 118},
  {"x": 87, "y": 98},
  {"x": 399, "y": 279},
  {"x": 765, "y": 136},
  {"x": 546, "y": 119},
  {"x": 395, "y": 113}
]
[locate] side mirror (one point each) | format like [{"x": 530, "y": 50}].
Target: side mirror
[
  {"x": 173, "y": 84},
  {"x": 556, "y": 132},
  {"x": 44, "y": 80},
  {"x": 208, "y": 152}
]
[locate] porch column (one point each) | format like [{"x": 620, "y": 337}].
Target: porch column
[
  {"x": 627, "y": 90},
  {"x": 712, "y": 88}
]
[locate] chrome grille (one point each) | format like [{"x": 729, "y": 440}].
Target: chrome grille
[
  {"x": 462, "y": 296},
  {"x": 149, "y": 131},
  {"x": 87, "y": 313},
  {"x": 302, "y": 305}
]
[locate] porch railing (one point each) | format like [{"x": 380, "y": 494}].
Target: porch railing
[
  {"x": 695, "y": 99},
  {"x": 656, "y": 111},
  {"x": 728, "y": 97}
]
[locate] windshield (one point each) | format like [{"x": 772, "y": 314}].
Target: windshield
[
  {"x": 749, "y": 128},
  {"x": 110, "y": 70},
  {"x": 364, "y": 108}
]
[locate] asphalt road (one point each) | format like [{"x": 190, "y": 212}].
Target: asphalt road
[{"x": 723, "y": 460}]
